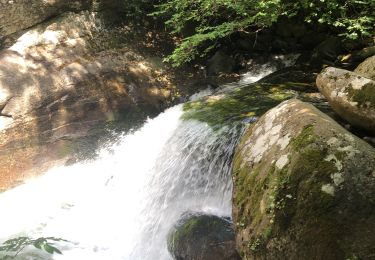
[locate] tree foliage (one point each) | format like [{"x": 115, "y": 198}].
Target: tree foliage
[{"x": 216, "y": 19}]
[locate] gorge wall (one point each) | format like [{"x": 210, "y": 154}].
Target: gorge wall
[{"x": 62, "y": 76}]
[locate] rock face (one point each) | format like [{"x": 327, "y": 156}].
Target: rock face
[
  {"x": 203, "y": 237},
  {"x": 304, "y": 188},
  {"x": 17, "y": 15},
  {"x": 367, "y": 68},
  {"x": 57, "y": 82},
  {"x": 350, "y": 95}
]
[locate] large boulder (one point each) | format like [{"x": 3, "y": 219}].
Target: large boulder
[
  {"x": 18, "y": 15},
  {"x": 203, "y": 237},
  {"x": 361, "y": 54},
  {"x": 58, "y": 82},
  {"x": 300, "y": 74},
  {"x": 352, "y": 96},
  {"x": 367, "y": 68},
  {"x": 304, "y": 188},
  {"x": 326, "y": 52}
]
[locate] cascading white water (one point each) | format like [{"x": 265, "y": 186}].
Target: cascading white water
[{"x": 123, "y": 204}]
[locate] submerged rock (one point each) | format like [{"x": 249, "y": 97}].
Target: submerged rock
[
  {"x": 351, "y": 96},
  {"x": 299, "y": 74},
  {"x": 367, "y": 68},
  {"x": 304, "y": 188},
  {"x": 203, "y": 237},
  {"x": 234, "y": 106}
]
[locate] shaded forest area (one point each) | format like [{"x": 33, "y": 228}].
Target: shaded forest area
[{"x": 201, "y": 27}]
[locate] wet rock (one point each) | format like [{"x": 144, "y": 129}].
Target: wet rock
[
  {"x": 326, "y": 52},
  {"x": 296, "y": 73},
  {"x": 232, "y": 106},
  {"x": 220, "y": 63},
  {"x": 362, "y": 54},
  {"x": 351, "y": 96},
  {"x": 304, "y": 188},
  {"x": 367, "y": 68},
  {"x": 203, "y": 237}
]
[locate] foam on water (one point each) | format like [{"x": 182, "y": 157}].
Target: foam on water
[{"x": 122, "y": 205}]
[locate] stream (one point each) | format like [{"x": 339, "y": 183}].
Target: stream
[{"x": 123, "y": 204}]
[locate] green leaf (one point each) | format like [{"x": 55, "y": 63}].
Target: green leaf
[
  {"x": 16, "y": 245},
  {"x": 50, "y": 249}
]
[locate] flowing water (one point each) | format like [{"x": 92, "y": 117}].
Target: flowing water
[{"x": 122, "y": 204}]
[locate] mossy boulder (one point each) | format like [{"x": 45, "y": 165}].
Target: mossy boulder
[
  {"x": 304, "y": 188},
  {"x": 367, "y": 68},
  {"x": 203, "y": 237},
  {"x": 243, "y": 103},
  {"x": 300, "y": 73},
  {"x": 351, "y": 96}
]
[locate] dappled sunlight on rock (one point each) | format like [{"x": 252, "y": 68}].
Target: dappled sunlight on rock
[
  {"x": 56, "y": 89},
  {"x": 23, "y": 14},
  {"x": 299, "y": 176}
]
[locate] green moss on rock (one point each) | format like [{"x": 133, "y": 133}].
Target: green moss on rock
[
  {"x": 250, "y": 101},
  {"x": 203, "y": 237},
  {"x": 316, "y": 205},
  {"x": 364, "y": 96}
]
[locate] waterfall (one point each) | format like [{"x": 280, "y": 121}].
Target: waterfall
[{"x": 123, "y": 204}]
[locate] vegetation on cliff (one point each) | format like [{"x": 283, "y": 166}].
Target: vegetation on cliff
[{"x": 203, "y": 23}]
